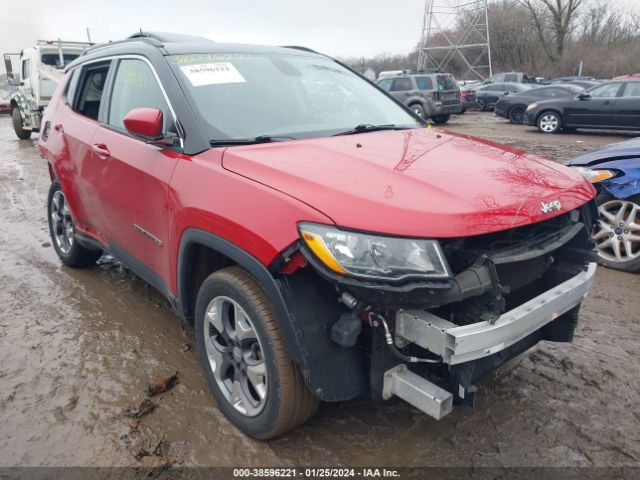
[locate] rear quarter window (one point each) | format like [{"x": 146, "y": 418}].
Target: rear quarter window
[{"x": 424, "y": 83}]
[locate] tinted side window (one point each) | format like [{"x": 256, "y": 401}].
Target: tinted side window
[
  {"x": 26, "y": 69},
  {"x": 135, "y": 86},
  {"x": 632, "y": 89},
  {"x": 91, "y": 88},
  {"x": 424, "y": 83},
  {"x": 401, "y": 84},
  {"x": 605, "y": 91}
]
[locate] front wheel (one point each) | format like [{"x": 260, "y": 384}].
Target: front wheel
[
  {"x": 617, "y": 235},
  {"x": 241, "y": 349},
  {"x": 17, "y": 125},
  {"x": 62, "y": 231},
  {"x": 440, "y": 119},
  {"x": 549, "y": 122}
]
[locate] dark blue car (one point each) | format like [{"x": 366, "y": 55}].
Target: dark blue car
[{"x": 614, "y": 171}]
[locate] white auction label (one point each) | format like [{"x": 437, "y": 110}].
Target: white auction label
[{"x": 212, "y": 73}]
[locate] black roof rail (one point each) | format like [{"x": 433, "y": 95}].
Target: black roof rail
[
  {"x": 168, "y": 37},
  {"x": 150, "y": 41},
  {"x": 156, "y": 39},
  {"x": 298, "y": 47}
]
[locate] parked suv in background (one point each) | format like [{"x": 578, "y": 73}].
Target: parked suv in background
[
  {"x": 510, "y": 77},
  {"x": 428, "y": 95},
  {"x": 321, "y": 241}
]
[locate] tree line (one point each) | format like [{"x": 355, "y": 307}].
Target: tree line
[{"x": 546, "y": 38}]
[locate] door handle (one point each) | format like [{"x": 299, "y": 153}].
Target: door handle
[
  {"x": 101, "y": 150},
  {"x": 608, "y": 102}
]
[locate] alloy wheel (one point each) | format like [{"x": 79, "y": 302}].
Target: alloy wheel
[
  {"x": 617, "y": 234},
  {"x": 62, "y": 222},
  {"x": 549, "y": 123},
  {"x": 235, "y": 356}
]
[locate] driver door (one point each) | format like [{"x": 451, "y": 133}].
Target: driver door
[
  {"x": 596, "y": 110},
  {"x": 134, "y": 184}
]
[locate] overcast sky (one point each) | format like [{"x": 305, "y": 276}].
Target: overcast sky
[{"x": 334, "y": 27}]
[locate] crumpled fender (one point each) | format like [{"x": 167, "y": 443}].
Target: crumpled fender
[{"x": 625, "y": 185}]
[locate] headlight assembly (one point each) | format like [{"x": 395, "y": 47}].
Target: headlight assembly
[
  {"x": 595, "y": 175},
  {"x": 374, "y": 257},
  {"x": 532, "y": 106}
]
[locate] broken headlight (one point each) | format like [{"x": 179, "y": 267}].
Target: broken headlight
[{"x": 375, "y": 257}]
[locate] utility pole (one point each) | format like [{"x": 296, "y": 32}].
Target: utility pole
[{"x": 445, "y": 36}]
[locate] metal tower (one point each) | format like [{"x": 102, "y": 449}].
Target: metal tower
[{"x": 456, "y": 29}]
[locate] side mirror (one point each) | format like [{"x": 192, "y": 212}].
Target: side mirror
[
  {"x": 506, "y": 93},
  {"x": 584, "y": 96},
  {"x": 144, "y": 122}
]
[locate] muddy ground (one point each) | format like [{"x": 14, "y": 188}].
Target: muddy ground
[{"x": 78, "y": 347}]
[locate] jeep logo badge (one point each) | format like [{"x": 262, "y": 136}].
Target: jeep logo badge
[{"x": 550, "y": 207}]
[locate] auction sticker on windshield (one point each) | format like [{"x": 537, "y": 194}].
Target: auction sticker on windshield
[{"x": 212, "y": 73}]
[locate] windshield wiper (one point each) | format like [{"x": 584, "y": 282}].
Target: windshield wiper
[
  {"x": 368, "y": 127},
  {"x": 249, "y": 141}
]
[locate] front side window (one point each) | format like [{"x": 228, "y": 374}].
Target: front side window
[
  {"x": 241, "y": 96},
  {"x": 385, "y": 84},
  {"x": 135, "y": 86},
  {"x": 605, "y": 91}
]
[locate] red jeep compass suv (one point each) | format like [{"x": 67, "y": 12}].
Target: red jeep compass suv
[{"x": 321, "y": 241}]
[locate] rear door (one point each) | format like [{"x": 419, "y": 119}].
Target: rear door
[
  {"x": 627, "y": 109},
  {"x": 76, "y": 166},
  {"x": 597, "y": 110},
  {"x": 134, "y": 182}
]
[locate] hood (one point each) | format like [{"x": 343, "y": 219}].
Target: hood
[
  {"x": 614, "y": 151},
  {"x": 420, "y": 182}
]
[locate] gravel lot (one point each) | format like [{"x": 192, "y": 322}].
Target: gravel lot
[{"x": 78, "y": 347}]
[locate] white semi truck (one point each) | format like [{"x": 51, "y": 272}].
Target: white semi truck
[{"x": 39, "y": 70}]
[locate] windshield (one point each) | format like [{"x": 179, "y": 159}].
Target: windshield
[{"x": 242, "y": 96}]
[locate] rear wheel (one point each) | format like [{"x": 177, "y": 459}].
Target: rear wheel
[
  {"x": 549, "y": 122},
  {"x": 516, "y": 115},
  {"x": 62, "y": 231},
  {"x": 617, "y": 234},
  {"x": 241, "y": 349},
  {"x": 417, "y": 109},
  {"x": 440, "y": 119},
  {"x": 482, "y": 104},
  {"x": 17, "y": 125}
]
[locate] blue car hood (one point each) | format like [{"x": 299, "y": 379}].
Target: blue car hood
[{"x": 615, "y": 151}]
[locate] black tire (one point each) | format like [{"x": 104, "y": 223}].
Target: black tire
[
  {"x": 17, "y": 125},
  {"x": 549, "y": 121},
  {"x": 288, "y": 402},
  {"x": 482, "y": 104},
  {"x": 75, "y": 255},
  {"x": 417, "y": 109},
  {"x": 630, "y": 266},
  {"x": 463, "y": 111},
  {"x": 440, "y": 119},
  {"x": 516, "y": 115}
]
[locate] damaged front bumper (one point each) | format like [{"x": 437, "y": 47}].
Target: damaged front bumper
[
  {"x": 458, "y": 344},
  {"x": 463, "y": 347}
]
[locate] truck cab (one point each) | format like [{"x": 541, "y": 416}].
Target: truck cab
[{"x": 34, "y": 74}]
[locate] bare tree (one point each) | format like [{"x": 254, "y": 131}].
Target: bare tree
[{"x": 553, "y": 17}]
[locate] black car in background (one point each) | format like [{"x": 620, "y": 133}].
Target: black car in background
[
  {"x": 488, "y": 95},
  {"x": 514, "y": 105},
  {"x": 610, "y": 105}
]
